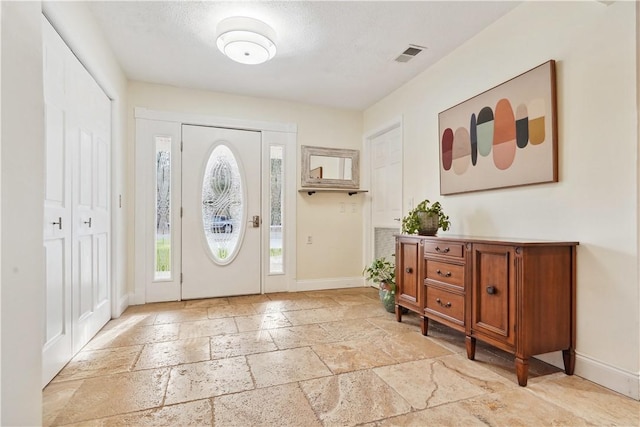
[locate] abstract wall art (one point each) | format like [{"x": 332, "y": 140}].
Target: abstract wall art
[{"x": 504, "y": 137}]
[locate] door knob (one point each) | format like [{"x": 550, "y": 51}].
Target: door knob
[
  {"x": 491, "y": 290},
  {"x": 255, "y": 221},
  {"x": 88, "y": 222}
]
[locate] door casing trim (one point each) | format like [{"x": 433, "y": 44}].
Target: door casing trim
[{"x": 284, "y": 134}]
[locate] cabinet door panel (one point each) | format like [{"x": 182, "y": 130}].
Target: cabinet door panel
[
  {"x": 493, "y": 306},
  {"x": 408, "y": 276}
]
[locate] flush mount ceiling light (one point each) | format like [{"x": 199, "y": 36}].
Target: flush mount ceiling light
[{"x": 246, "y": 40}]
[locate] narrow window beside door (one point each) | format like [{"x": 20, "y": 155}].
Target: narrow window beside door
[
  {"x": 163, "y": 208},
  {"x": 276, "y": 198}
]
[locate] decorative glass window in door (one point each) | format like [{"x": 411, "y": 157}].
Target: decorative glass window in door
[
  {"x": 162, "y": 256},
  {"x": 223, "y": 204}
]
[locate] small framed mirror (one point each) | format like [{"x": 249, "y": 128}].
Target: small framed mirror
[{"x": 330, "y": 167}]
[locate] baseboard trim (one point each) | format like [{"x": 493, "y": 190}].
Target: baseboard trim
[
  {"x": 616, "y": 379},
  {"x": 331, "y": 283},
  {"x": 120, "y": 306}
]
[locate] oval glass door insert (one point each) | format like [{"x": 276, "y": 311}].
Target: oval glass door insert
[{"x": 223, "y": 204}]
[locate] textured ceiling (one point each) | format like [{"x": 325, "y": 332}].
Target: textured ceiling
[{"x": 337, "y": 54}]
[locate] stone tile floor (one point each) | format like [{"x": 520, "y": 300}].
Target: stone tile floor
[{"x": 332, "y": 358}]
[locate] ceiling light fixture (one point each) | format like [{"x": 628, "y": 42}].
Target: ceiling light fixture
[{"x": 246, "y": 40}]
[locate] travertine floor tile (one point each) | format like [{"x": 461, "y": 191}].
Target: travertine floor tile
[
  {"x": 347, "y": 356},
  {"x": 358, "y": 329},
  {"x": 353, "y": 398},
  {"x": 283, "y": 405},
  {"x": 286, "y": 366},
  {"x": 129, "y": 321},
  {"x": 174, "y": 353},
  {"x": 316, "y": 315},
  {"x": 115, "y": 394},
  {"x": 408, "y": 346},
  {"x": 225, "y": 346},
  {"x": 389, "y": 324},
  {"x": 476, "y": 373},
  {"x": 519, "y": 407},
  {"x": 193, "y": 414},
  {"x": 156, "y": 307},
  {"x": 206, "y": 303},
  {"x": 183, "y": 315},
  {"x": 300, "y": 336},
  {"x": 248, "y": 299},
  {"x": 275, "y": 306},
  {"x": 93, "y": 363},
  {"x": 350, "y": 300},
  {"x": 438, "y": 385},
  {"x": 55, "y": 397},
  {"x": 451, "y": 415},
  {"x": 220, "y": 311},
  {"x": 207, "y": 328},
  {"x": 207, "y": 379},
  {"x": 135, "y": 336},
  {"x": 287, "y": 296},
  {"x": 262, "y": 321},
  {"x": 590, "y": 401}
]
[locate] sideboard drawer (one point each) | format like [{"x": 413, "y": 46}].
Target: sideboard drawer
[
  {"x": 444, "y": 248},
  {"x": 445, "y": 304},
  {"x": 451, "y": 274}
]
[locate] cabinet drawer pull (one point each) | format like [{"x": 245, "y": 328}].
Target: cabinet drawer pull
[
  {"x": 491, "y": 290},
  {"x": 440, "y": 273},
  {"x": 442, "y": 251},
  {"x": 439, "y": 301},
  {"x": 408, "y": 270}
]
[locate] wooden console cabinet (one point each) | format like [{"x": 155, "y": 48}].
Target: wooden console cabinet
[{"x": 517, "y": 295}]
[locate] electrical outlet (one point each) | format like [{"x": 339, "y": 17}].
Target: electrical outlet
[
  {"x": 342, "y": 209},
  {"x": 309, "y": 240},
  {"x": 354, "y": 208}
]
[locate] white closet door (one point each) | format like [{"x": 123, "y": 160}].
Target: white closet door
[
  {"x": 90, "y": 136},
  {"x": 78, "y": 168},
  {"x": 58, "y": 341}
]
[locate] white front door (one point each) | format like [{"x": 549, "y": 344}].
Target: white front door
[{"x": 221, "y": 188}]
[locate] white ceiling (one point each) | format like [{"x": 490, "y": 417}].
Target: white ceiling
[{"x": 337, "y": 54}]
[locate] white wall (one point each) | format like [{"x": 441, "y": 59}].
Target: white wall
[
  {"x": 596, "y": 199},
  {"x": 22, "y": 213},
  {"x": 336, "y": 251},
  {"x": 78, "y": 28}
]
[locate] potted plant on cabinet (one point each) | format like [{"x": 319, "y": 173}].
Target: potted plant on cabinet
[
  {"x": 425, "y": 219},
  {"x": 383, "y": 273}
]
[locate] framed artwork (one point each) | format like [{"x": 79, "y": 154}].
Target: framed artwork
[{"x": 504, "y": 137}]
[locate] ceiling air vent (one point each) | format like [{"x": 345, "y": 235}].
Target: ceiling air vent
[{"x": 410, "y": 53}]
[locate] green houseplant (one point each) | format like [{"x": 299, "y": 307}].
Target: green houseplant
[
  {"x": 383, "y": 273},
  {"x": 425, "y": 219}
]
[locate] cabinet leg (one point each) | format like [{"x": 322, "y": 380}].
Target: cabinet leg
[
  {"x": 424, "y": 325},
  {"x": 470, "y": 343},
  {"x": 522, "y": 370},
  {"x": 398, "y": 313},
  {"x": 569, "y": 357}
]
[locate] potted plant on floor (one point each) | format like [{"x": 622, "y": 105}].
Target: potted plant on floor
[
  {"x": 425, "y": 219},
  {"x": 383, "y": 273}
]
